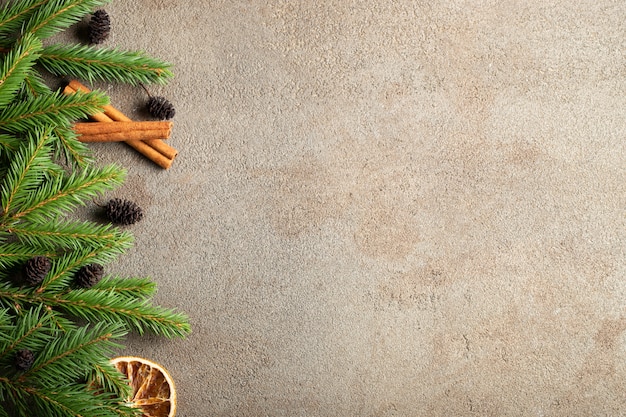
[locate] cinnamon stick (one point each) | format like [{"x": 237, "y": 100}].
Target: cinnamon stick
[
  {"x": 122, "y": 131},
  {"x": 154, "y": 149},
  {"x": 140, "y": 146}
]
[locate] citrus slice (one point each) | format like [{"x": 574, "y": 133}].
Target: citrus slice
[{"x": 153, "y": 387}]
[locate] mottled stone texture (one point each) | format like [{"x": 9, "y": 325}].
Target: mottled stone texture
[{"x": 386, "y": 207}]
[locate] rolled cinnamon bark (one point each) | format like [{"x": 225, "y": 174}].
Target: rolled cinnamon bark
[
  {"x": 154, "y": 149},
  {"x": 122, "y": 131},
  {"x": 140, "y": 146}
]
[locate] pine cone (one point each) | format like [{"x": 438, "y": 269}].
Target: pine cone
[
  {"x": 161, "y": 108},
  {"x": 123, "y": 212},
  {"x": 99, "y": 26},
  {"x": 36, "y": 269},
  {"x": 24, "y": 359},
  {"x": 89, "y": 275}
]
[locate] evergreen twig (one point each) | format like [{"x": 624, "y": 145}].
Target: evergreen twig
[
  {"x": 55, "y": 15},
  {"x": 16, "y": 66},
  {"x": 110, "y": 64}
]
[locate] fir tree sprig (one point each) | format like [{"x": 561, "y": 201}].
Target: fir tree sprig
[
  {"x": 33, "y": 86},
  {"x": 15, "y": 13},
  {"x": 55, "y": 15},
  {"x": 53, "y": 109},
  {"x": 62, "y": 194},
  {"x": 96, "y": 305},
  {"x": 61, "y": 274},
  {"x": 67, "y": 234},
  {"x": 25, "y": 172},
  {"x": 52, "y": 385},
  {"x": 69, "y": 147},
  {"x": 16, "y": 66},
  {"x": 110, "y": 64},
  {"x": 15, "y": 253}
]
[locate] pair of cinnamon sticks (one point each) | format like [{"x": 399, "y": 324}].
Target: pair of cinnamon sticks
[{"x": 145, "y": 137}]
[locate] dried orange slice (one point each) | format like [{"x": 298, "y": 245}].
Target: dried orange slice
[{"x": 153, "y": 387}]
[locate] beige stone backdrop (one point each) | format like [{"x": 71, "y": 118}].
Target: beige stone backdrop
[{"x": 386, "y": 207}]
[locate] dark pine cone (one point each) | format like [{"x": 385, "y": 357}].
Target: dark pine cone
[
  {"x": 24, "y": 359},
  {"x": 123, "y": 212},
  {"x": 36, "y": 269},
  {"x": 99, "y": 26},
  {"x": 89, "y": 275},
  {"x": 161, "y": 108}
]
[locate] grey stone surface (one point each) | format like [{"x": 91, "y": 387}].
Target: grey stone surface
[{"x": 386, "y": 208}]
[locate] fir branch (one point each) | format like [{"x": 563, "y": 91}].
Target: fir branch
[
  {"x": 68, "y": 234},
  {"x": 128, "y": 287},
  {"x": 70, "y": 400},
  {"x": 28, "y": 332},
  {"x": 15, "y": 13},
  {"x": 15, "y": 253},
  {"x": 56, "y": 15},
  {"x": 91, "y": 63},
  {"x": 9, "y": 143},
  {"x": 63, "y": 194},
  {"x": 138, "y": 314},
  {"x": 25, "y": 170},
  {"x": 51, "y": 109},
  {"x": 70, "y": 355},
  {"x": 107, "y": 377},
  {"x": 74, "y": 151},
  {"x": 33, "y": 86},
  {"x": 12, "y": 297},
  {"x": 60, "y": 275},
  {"x": 15, "y": 67}
]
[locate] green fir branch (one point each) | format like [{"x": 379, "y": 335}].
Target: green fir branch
[
  {"x": 91, "y": 63},
  {"x": 63, "y": 194},
  {"x": 29, "y": 331},
  {"x": 55, "y": 15},
  {"x": 53, "y": 109},
  {"x": 15, "y": 13},
  {"x": 73, "y": 150},
  {"x": 61, "y": 273},
  {"x": 70, "y": 400},
  {"x": 33, "y": 86},
  {"x": 106, "y": 376},
  {"x": 15, "y": 253},
  {"x": 139, "y": 314},
  {"x": 15, "y": 67},
  {"x": 70, "y": 355},
  {"x": 25, "y": 171},
  {"x": 128, "y": 287},
  {"x": 68, "y": 234},
  {"x": 9, "y": 143}
]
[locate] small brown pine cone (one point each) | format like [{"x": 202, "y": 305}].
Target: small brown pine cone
[
  {"x": 99, "y": 26},
  {"x": 36, "y": 269},
  {"x": 24, "y": 359},
  {"x": 89, "y": 275},
  {"x": 123, "y": 212},
  {"x": 161, "y": 108}
]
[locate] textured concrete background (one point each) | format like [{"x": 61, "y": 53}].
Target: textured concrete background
[{"x": 386, "y": 208}]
